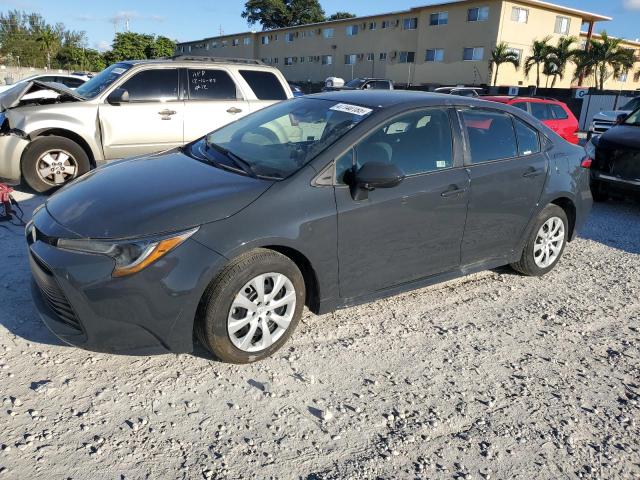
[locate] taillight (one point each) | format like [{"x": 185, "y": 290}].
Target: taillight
[{"x": 586, "y": 162}]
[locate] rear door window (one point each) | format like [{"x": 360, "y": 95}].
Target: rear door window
[
  {"x": 265, "y": 85},
  {"x": 528, "y": 141},
  {"x": 558, "y": 112},
  {"x": 541, "y": 111},
  {"x": 211, "y": 84},
  {"x": 153, "y": 85},
  {"x": 491, "y": 135}
]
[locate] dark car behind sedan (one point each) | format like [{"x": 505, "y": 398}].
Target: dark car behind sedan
[
  {"x": 615, "y": 168},
  {"x": 327, "y": 201}
]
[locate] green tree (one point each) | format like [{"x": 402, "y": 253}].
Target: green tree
[
  {"x": 603, "y": 58},
  {"x": 129, "y": 46},
  {"x": 502, "y": 54},
  {"x": 558, "y": 57},
  {"x": 161, "y": 47},
  {"x": 49, "y": 41},
  {"x": 282, "y": 13},
  {"x": 538, "y": 57},
  {"x": 340, "y": 16}
]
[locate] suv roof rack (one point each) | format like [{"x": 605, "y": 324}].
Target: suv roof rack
[{"x": 198, "y": 58}]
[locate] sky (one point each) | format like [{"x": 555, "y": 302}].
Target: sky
[{"x": 195, "y": 19}]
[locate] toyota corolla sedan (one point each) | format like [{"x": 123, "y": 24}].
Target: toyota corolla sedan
[{"x": 324, "y": 201}]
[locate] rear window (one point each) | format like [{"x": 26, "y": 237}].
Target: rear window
[
  {"x": 265, "y": 85},
  {"x": 558, "y": 112},
  {"x": 210, "y": 84}
]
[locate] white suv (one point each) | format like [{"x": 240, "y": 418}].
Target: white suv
[{"x": 130, "y": 108}]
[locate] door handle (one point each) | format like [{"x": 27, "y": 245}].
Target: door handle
[
  {"x": 533, "y": 172},
  {"x": 166, "y": 112},
  {"x": 234, "y": 110},
  {"x": 453, "y": 190}
]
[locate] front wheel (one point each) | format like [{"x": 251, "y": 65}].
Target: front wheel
[
  {"x": 52, "y": 161},
  {"x": 545, "y": 244},
  {"x": 252, "y": 308}
]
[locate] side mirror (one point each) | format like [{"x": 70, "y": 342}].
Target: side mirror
[
  {"x": 621, "y": 118},
  {"x": 118, "y": 96},
  {"x": 373, "y": 175}
]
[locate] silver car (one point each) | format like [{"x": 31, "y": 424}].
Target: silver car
[
  {"x": 603, "y": 121},
  {"x": 130, "y": 108}
]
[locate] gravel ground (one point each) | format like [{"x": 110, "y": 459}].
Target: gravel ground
[{"x": 491, "y": 376}]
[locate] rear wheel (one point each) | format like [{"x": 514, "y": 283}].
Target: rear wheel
[
  {"x": 52, "y": 161},
  {"x": 252, "y": 308},
  {"x": 545, "y": 244}
]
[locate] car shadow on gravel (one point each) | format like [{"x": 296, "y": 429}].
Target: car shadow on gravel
[{"x": 616, "y": 224}]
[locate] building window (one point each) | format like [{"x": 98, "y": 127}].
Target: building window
[
  {"x": 247, "y": 40},
  {"x": 520, "y": 15},
  {"x": 478, "y": 14},
  {"x": 562, "y": 25},
  {"x": 189, "y": 48},
  {"x": 386, "y": 24},
  {"x": 350, "y": 59},
  {"x": 288, "y": 37},
  {"x": 434, "y": 55},
  {"x": 235, "y": 42},
  {"x": 372, "y": 25},
  {"x": 288, "y": 61},
  {"x": 383, "y": 57},
  {"x": 440, "y": 18},
  {"x": 225, "y": 43},
  {"x": 370, "y": 57},
  {"x": 517, "y": 51},
  {"x": 407, "y": 57},
  {"x": 265, "y": 40},
  {"x": 327, "y": 59},
  {"x": 410, "y": 23},
  {"x": 328, "y": 32},
  {"x": 310, "y": 58},
  {"x": 473, "y": 54},
  {"x": 352, "y": 30},
  {"x": 275, "y": 59},
  {"x": 214, "y": 44}
]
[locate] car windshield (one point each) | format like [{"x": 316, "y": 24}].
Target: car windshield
[
  {"x": 632, "y": 104},
  {"x": 633, "y": 119},
  {"x": 101, "y": 81},
  {"x": 279, "y": 140},
  {"x": 355, "y": 83}
]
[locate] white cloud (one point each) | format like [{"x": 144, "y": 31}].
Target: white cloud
[
  {"x": 102, "y": 46},
  {"x": 632, "y": 4}
]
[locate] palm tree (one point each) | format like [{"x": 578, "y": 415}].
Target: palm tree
[
  {"x": 603, "y": 58},
  {"x": 503, "y": 54},
  {"x": 538, "y": 57},
  {"x": 558, "y": 58},
  {"x": 48, "y": 39}
]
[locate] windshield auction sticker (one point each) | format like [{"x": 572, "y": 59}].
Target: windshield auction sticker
[{"x": 353, "y": 109}]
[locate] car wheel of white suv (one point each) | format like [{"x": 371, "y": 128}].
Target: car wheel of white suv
[{"x": 52, "y": 161}]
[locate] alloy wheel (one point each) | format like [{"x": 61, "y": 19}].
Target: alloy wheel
[
  {"x": 56, "y": 167},
  {"x": 549, "y": 242},
  {"x": 261, "y": 312}
]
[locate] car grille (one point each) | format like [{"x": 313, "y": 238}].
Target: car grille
[
  {"x": 601, "y": 126},
  {"x": 53, "y": 294}
]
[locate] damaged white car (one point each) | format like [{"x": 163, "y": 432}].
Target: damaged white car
[{"x": 130, "y": 108}]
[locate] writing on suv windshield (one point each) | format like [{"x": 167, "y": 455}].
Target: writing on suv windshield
[{"x": 279, "y": 140}]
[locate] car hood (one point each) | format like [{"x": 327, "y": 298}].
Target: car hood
[
  {"x": 623, "y": 137},
  {"x": 153, "y": 194},
  {"x": 610, "y": 115},
  {"x": 11, "y": 98}
]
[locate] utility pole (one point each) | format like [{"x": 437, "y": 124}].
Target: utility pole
[{"x": 220, "y": 31}]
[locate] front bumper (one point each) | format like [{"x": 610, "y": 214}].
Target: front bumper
[
  {"x": 11, "y": 149},
  {"x": 145, "y": 313}
]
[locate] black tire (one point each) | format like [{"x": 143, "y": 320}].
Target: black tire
[
  {"x": 527, "y": 264},
  {"x": 41, "y": 145},
  {"x": 598, "y": 192},
  {"x": 211, "y": 324}
]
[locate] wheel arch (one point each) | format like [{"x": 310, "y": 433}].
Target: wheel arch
[
  {"x": 61, "y": 132},
  {"x": 569, "y": 207}
]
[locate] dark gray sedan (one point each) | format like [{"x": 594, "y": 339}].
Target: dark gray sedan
[{"x": 327, "y": 201}]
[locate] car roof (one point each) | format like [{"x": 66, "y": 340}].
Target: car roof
[
  {"x": 387, "y": 98},
  {"x": 191, "y": 61},
  {"x": 510, "y": 98}
]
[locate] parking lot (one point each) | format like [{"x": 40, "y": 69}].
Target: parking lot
[{"x": 490, "y": 376}]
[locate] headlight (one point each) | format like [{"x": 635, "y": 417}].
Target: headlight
[{"x": 130, "y": 256}]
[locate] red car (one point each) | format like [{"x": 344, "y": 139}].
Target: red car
[{"x": 554, "y": 114}]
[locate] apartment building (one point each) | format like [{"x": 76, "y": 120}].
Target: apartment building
[{"x": 441, "y": 44}]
